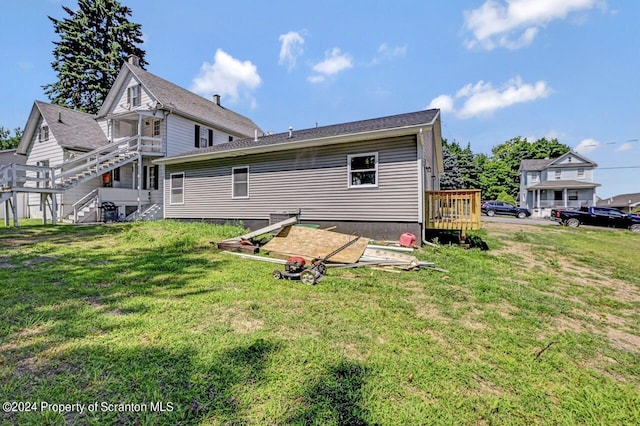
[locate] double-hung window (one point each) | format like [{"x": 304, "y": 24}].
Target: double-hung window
[
  {"x": 363, "y": 170},
  {"x": 177, "y": 188},
  {"x": 133, "y": 96},
  {"x": 44, "y": 133},
  {"x": 240, "y": 184}
]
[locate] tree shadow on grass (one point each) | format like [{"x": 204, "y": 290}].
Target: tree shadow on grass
[
  {"x": 161, "y": 385},
  {"x": 334, "y": 398}
]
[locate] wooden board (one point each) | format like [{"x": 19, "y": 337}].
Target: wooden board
[{"x": 316, "y": 243}]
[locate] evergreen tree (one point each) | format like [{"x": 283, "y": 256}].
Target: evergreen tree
[
  {"x": 461, "y": 170},
  {"x": 94, "y": 42},
  {"x": 451, "y": 178}
]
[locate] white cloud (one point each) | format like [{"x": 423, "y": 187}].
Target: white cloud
[
  {"x": 516, "y": 24},
  {"x": 334, "y": 62},
  {"x": 586, "y": 146},
  {"x": 386, "y": 52},
  {"x": 442, "y": 102},
  {"x": 227, "y": 76},
  {"x": 483, "y": 99},
  {"x": 624, "y": 147},
  {"x": 291, "y": 48}
]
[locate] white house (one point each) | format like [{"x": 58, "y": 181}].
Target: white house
[{"x": 565, "y": 181}]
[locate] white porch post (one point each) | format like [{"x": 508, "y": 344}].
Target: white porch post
[
  {"x": 139, "y": 185},
  {"x": 564, "y": 197},
  {"x": 54, "y": 208}
]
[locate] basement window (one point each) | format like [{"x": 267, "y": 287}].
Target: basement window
[
  {"x": 177, "y": 188},
  {"x": 363, "y": 170},
  {"x": 240, "y": 177}
]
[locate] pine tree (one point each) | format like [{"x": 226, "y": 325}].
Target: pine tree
[{"x": 94, "y": 42}]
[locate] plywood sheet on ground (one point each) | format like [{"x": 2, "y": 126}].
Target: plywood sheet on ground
[{"x": 316, "y": 243}]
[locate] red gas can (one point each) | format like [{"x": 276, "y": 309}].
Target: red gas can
[{"x": 407, "y": 239}]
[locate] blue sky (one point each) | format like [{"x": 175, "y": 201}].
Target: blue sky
[{"x": 497, "y": 68}]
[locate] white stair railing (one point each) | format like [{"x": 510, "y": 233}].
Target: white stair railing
[{"x": 84, "y": 202}]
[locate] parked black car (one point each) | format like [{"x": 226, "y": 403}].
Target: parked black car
[{"x": 491, "y": 208}]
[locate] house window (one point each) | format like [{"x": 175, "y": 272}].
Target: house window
[
  {"x": 133, "y": 96},
  {"x": 150, "y": 177},
  {"x": 363, "y": 170},
  {"x": 177, "y": 188},
  {"x": 240, "y": 177},
  {"x": 558, "y": 174},
  {"x": 534, "y": 178},
  {"x": 156, "y": 128},
  {"x": 572, "y": 194},
  {"x": 44, "y": 133},
  {"x": 580, "y": 173},
  {"x": 116, "y": 174},
  {"x": 204, "y": 137},
  {"x": 230, "y": 138}
]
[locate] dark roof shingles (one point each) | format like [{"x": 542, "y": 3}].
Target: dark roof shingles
[
  {"x": 382, "y": 123},
  {"x": 71, "y": 128},
  {"x": 174, "y": 96}
]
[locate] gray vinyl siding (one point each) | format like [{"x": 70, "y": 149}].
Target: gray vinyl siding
[{"x": 313, "y": 180}]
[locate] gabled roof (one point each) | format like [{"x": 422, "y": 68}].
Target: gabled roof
[
  {"x": 623, "y": 200},
  {"x": 557, "y": 162},
  {"x": 538, "y": 165},
  {"x": 534, "y": 165},
  {"x": 180, "y": 101},
  {"x": 71, "y": 129},
  {"x": 395, "y": 125}
]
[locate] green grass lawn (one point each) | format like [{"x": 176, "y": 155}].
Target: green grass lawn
[{"x": 146, "y": 323}]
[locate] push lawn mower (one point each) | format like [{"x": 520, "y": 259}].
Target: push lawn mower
[{"x": 295, "y": 269}]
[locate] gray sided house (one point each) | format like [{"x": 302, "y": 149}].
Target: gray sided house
[
  {"x": 366, "y": 177},
  {"x": 624, "y": 202},
  {"x": 562, "y": 182},
  {"x": 76, "y": 161}
]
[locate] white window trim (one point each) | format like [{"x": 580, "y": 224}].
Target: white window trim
[
  {"x": 134, "y": 99},
  {"x": 558, "y": 174},
  {"x": 171, "y": 189},
  {"x": 349, "y": 171},
  {"x": 233, "y": 183},
  {"x": 204, "y": 137},
  {"x": 581, "y": 173}
]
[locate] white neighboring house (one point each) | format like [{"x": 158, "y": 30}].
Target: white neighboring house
[
  {"x": 562, "y": 182},
  {"x": 76, "y": 161}
]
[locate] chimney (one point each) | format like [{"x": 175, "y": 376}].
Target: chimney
[
  {"x": 290, "y": 131},
  {"x": 59, "y": 117},
  {"x": 216, "y": 99},
  {"x": 134, "y": 60}
]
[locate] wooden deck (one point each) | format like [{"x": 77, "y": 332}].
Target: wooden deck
[{"x": 455, "y": 210}]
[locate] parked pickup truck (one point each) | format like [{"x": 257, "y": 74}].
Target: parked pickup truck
[{"x": 596, "y": 216}]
